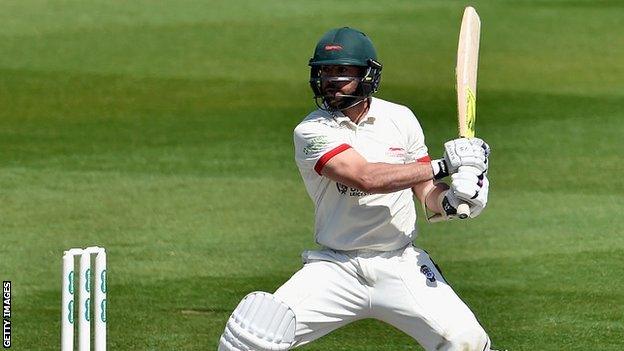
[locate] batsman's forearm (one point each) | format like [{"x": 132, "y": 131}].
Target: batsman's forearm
[
  {"x": 434, "y": 197},
  {"x": 381, "y": 178}
]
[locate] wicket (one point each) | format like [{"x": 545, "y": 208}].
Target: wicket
[{"x": 84, "y": 307}]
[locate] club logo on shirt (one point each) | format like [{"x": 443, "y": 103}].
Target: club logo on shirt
[
  {"x": 344, "y": 190},
  {"x": 315, "y": 145}
]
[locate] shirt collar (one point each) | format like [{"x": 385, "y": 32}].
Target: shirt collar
[
  {"x": 340, "y": 118},
  {"x": 371, "y": 115},
  {"x": 374, "y": 110}
]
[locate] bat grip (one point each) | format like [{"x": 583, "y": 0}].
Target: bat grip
[{"x": 463, "y": 211}]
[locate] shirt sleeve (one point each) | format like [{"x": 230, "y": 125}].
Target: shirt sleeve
[
  {"x": 316, "y": 144},
  {"x": 416, "y": 147}
]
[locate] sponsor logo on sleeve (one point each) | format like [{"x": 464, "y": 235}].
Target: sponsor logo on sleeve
[{"x": 315, "y": 145}]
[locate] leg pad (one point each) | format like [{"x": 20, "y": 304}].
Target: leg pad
[{"x": 260, "y": 322}]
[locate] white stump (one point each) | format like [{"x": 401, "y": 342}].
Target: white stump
[
  {"x": 84, "y": 310},
  {"x": 100, "y": 300},
  {"x": 67, "y": 304}
]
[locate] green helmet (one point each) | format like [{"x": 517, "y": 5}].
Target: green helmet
[{"x": 345, "y": 46}]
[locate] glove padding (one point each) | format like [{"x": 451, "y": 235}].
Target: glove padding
[
  {"x": 467, "y": 187},
  {"x": 472, "y": 152}
]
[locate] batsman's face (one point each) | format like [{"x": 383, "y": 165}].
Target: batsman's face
[{"x": 339, "y": 80}]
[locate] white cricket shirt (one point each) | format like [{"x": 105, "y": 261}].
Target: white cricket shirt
[{"x": 347, "y": 218}]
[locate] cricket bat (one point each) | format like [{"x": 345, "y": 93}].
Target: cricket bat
[{"x": 466, "y": 75}]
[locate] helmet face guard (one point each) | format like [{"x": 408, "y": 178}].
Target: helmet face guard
[
  {"x": 344, "y": 47},
  {"x": 368, "y": 84}
]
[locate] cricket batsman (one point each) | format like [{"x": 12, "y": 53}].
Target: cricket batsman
[{"x": 362, "y": 160}]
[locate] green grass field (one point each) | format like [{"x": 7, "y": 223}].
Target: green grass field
[{"x": 162, "y": 130}]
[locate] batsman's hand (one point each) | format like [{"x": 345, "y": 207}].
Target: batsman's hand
[
  {"x": 470, "y": 185},
  {"x": 473, "y": 152}
]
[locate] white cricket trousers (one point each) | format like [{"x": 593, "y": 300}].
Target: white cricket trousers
[{"x": 335, "y": 288}]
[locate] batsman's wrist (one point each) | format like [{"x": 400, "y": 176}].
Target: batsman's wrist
[{"x": 439, "y": 168}]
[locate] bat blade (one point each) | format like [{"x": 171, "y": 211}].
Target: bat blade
[{"x": 466, "y": 74}]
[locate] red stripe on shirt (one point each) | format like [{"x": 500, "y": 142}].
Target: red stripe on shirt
[
  {"x": 328, "y": 156},
  {"x": 424, "y": 159}
]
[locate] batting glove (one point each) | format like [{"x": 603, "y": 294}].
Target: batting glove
[
  {"x": 473, "y": 152},
  {"x": 470, "y": 188}
]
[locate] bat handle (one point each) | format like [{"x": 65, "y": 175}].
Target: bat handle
[{"x": 463, "y": 211}]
